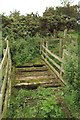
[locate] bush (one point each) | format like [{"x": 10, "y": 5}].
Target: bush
[
  {"x": 71, "y": 65},
  {"x": 24, "y": 50},
  {"x": 72, "y": 91}
]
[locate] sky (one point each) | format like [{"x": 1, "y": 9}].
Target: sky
[{"x": 28, "y": 6}]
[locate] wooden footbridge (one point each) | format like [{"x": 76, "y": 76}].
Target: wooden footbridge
[{"x": 48, "y": 73}]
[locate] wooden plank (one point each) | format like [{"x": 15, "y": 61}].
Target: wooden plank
[
  {"x": 4, "y": 59},
  {"x": 3, "y": 66},
  {"x": 42, "y": 83},
  {"x": 9, "y": 77},
  {"x": 53, "y": 69},
  {"x": 66, "y": 52},
  {"x": 2, "y": 74},
  {"x": 7, "y": 94},
  {"x": 4, "y": 84},
  {"x": 55, "y": 56},
  {"x": 0, "y": 78},
  {"x": 62, "y": 63},
  {"x": 0, "y": 102},
  {"x": 59, "y": 67},
  {"x": 5, "y": 104}
]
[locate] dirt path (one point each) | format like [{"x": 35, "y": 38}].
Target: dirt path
[{"x": 64, "y": 107}]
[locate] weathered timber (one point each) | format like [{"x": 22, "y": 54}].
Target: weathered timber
[
  {"x": 38, "y": 73},
  {"x": 5, "y": 67},
  {"x": 55, "y": 56},
  {"x": 50, "y": 83},
  {"x": 54, "y": 63},
  {"x": 32, "y": 69},
  {"x": 34, "y": 77},
  {"x": 54, "y": 70},
  {"x": 31, "y": 65}
]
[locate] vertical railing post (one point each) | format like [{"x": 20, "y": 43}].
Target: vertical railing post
[
  {"x": 9, "y": 59},
  {"x": 43, "y": 48},
  {"x": 46, "y": 45},
  {"x": 62, "y": 64},
  {"x": 41, "y": 43},
  {"x": 61, "y": 48},
  {"x": 65, "y": 38},
  {"x": 65, "y": 33}
]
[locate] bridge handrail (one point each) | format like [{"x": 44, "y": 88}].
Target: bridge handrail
[
  {"x": 48, "y": 56},
  {"x": 52, "y": 54},
  {"x": 5, "y": 70},
  {"x": 51, "y": 60}
]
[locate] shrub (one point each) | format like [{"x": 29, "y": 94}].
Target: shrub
[
  {"x": 72, "y": 91},
  {"x": 24, "y": 50}
]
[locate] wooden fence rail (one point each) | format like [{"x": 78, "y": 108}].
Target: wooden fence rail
[
  {"x": 5, "y": 81},
  {"x": 50, "y": 58}
]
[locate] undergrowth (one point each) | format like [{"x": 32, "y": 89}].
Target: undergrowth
[
  {"x": 40, "y": 103},
  {"x": 25, "y": 50}
]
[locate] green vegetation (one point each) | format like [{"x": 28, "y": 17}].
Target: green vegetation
[
  {"x": 72, "y": 91},
  {"x": 40, "y": 103},
  {"x": 25, "y": 50},
  {"x": 50, "y": 23},
  {"x": 25, "y": 33}
]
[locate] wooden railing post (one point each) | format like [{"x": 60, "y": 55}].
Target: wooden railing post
[
  {"x": 62, "y": 64},
  {"x": 46, "y": 45},
  {"x": 9, "y": 77},
  {"x": 65, "y": 33},
  {"x": 43, "y": 48},
  {"x": 65, "y": 38},
  {"x": 61, "y": 48}
]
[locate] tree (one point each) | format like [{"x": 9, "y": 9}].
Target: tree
[
  {"x": 49, "y": 11},
  {"x": 66, "y": 2}
]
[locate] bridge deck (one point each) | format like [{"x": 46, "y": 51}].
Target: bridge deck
[{"x": 36, "y": 75}]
